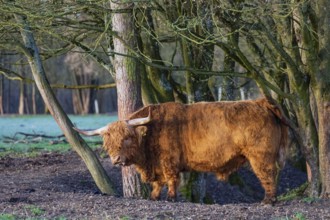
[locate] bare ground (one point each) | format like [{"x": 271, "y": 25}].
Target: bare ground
[{"x": 58, "y": 186}]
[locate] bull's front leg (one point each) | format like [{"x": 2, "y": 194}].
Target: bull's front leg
[
  {"x": 170, "y": 167},
  {"x": 156, "y": 190},
  {"x": 172, "y": 185}
]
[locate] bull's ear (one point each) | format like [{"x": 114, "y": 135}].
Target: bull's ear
[{"x": 141, "y": 130}]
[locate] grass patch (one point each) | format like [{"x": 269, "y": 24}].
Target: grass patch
[
  {"x": 7, "y": 217},
  {"x": 13, "y": 143},
  {"x": 34, "y": 210},
  {"x": 125, "y": 218},
  {"x": 35, "y": 149},
  {"x": 32, "y": 149},
  {"x": 310, "y": 200},
  {"x": 298, "y": 192},
  {"x": 299, "y": 216},
  {"x": 60, "y": 218}
]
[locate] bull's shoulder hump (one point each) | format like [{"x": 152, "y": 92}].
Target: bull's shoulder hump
[{"x": 144, "y": 111}]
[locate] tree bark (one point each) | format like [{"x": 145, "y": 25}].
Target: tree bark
[
  {"x": 295, "y": 36},
  {"x": 81, "y": 98},
  {"x": 189, "y": 76},
  {"x": 33, "y": 99},
  {"x": 128, "y": 83},
  {"x": 321, "y": 87},
  {"x": 79, "y": 145},
  {"x": 158, "y": 78},
  {"x": 21, "y": 99},
  {"x": 1, "y": 95},
  {"x": 229, "y": 65},
  {"x": 324, "y": 147}
]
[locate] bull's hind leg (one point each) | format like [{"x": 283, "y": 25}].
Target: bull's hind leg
[{"x": 266, "y": 172}]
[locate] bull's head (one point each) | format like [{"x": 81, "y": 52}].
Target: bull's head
[{"x": 122, "y": 139}]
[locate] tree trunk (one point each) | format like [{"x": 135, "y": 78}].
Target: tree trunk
[
  {"x": 324, "y": 147},
  {"x": 310, "y": 140},
  {"x": 158, "y": 78},
  {"x": 1, "y": 95},
  {"x": 79, "y": 145},
  {"x": 294, "y": 35},
  {"x": 322, "y": 95},
  {"x": 21, "y": 99},
  {"x": 189, "y": 76},
  {"x": 148, "y": 93},
  {"x": 229, "y": 81},
  {"x": 128, "y": 83},
  {"x": 33, "y": 99},
  {"x": 81, "y": 98},
  {"x": 7, "y": 109}
]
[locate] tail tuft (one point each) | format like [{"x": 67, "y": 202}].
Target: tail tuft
[{"x": 283, "y": 145}]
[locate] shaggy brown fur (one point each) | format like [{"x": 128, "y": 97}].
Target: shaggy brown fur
[{"x": 213, "y": 137}]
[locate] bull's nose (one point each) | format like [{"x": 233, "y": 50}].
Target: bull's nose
[{"x": 116, "y": 160}]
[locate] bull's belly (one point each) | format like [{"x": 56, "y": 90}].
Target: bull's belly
[
  {"x": 217, "y": 166},
  {"x": 203, "y": 166}
]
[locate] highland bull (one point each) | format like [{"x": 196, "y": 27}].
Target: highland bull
[{"x": 163, "y": 140}]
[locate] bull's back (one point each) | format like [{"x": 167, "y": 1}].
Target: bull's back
[{"x": 216, "y": 133}]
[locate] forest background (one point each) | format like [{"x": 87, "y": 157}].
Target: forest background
[{"x": 159, "y": 51}]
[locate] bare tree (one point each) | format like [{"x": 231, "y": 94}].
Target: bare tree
[
  {"x": 128, "y": 82},
  {"x": 30, "y": 49}
]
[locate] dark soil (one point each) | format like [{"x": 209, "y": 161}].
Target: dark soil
[{"x": 58, "y": 186}]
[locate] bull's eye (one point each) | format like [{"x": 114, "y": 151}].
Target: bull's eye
[{"x": 127, "y": 142}]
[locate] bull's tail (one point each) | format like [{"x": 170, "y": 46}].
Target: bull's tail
[
  {"x": 284, "y": 131},
  {"x": 283, "y": 145}
]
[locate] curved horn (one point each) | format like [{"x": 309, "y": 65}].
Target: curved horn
[
  {"x": 99, "y": 131},
  {"x": 140, "y": 121}
]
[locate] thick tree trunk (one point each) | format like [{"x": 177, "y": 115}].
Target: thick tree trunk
[
  {"x": 309, "y": 135},
  {"x": 324, "y": 147},
  {"x": 79, "y": 145},
  {"x": 321, "y": 88},
  {"x": 148, "y": 92},
  {"x": 160, "y": 86},
  {"x": 294, "y": 35},
  {"x": 128, "y": 83}
]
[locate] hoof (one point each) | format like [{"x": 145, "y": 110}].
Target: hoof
[
  {"x": 154, "y": 198},
  {"x": 170, "y": 199},
  {"x": 269, "y": 201}
]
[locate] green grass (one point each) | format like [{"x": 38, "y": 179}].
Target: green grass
[
  {"x": 294, "y": 193},
  {"x": 34, "y": 210},
  {"x": 34, "y": 149},
  {"x": 299, "y": 216},
  {"x": 43, "y": 125},
  {"x": 7, "y": 217}
]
